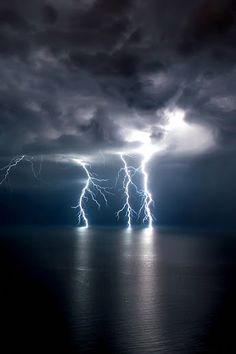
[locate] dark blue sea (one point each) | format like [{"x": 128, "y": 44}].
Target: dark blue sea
[{"x": 108, "y": 290}]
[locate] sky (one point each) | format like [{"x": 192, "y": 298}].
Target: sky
[{"x": 89, "y": 79}]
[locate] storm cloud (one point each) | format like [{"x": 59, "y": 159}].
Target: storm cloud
[
  {"x": 75, "y": 74},
  {"x": 86, "y": 79}
]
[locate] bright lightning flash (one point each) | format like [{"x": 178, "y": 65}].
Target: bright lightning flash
[
  {"x": 147, "y": 200},
  {"x": 146, "y": 150},
  {"x": 93, "y": 185},
  {"x": 14, "y": 163},
  {"x": 129, "y": 172},
  {"x": 7, "y": 169}
]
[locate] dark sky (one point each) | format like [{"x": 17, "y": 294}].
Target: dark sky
[{"x": 79, "y": 77}]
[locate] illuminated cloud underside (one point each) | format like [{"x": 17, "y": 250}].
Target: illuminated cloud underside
[{"x": 179, "y": 136}]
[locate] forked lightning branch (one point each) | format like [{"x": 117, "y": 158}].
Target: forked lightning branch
[{"x": 95, "y": 190}]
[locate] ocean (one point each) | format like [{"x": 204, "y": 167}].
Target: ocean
[{"x": 71, "y": 290}]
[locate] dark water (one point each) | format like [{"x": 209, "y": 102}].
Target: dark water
[{"x": 111, "y": 291}]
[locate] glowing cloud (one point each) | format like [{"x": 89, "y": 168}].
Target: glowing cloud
[
  {"x": 183, "y": 137},
  {"x": 178, "y": 136}
]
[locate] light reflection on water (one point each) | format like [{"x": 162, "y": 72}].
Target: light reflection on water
[
  {"x": 113, "y": 291},
  {"x": 140, "y": 291},
  {"x": 118, "y": 278},
  {"x": 144, "y": 291}
]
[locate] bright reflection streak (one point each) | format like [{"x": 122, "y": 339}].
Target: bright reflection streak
[
  {"x": 148, "y": 236},
  {"x": 82, "y": 230}
]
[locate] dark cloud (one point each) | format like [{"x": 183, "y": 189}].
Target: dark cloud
[{"x": 74, "y": 73}]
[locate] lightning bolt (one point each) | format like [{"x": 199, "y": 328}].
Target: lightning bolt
[
  {"x": 91, "y": 188},
  {"x": 126, "y": 183},
  {"x": 7, "y": 169},
  {"x": 147, "y": 200},
  {"x": 129, "y": 172},
  {"x": 14, "y": 163},
  {"x": 30, "y": 159}
]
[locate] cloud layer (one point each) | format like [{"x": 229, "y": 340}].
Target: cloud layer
[{"x": 76, "y": 76}]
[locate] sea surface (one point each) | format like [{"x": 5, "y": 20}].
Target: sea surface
[{"x": 117, "y": 291}]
